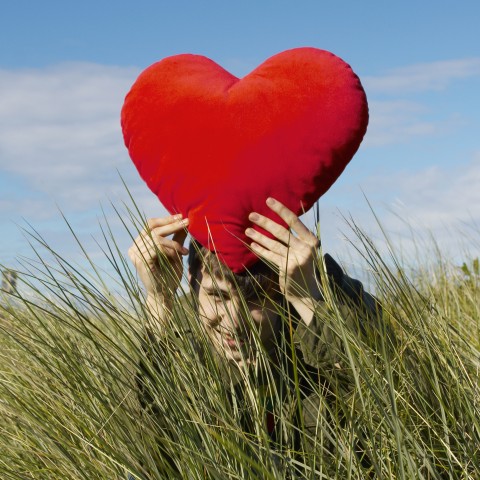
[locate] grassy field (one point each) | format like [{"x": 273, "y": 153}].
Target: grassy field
[{"x": 69, "y": 407}]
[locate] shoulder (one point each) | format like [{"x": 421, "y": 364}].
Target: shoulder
[
  {"x": 350, "y": 289},
  {"x": 320, "y": 344}
]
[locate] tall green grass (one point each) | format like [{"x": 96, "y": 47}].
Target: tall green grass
[{"x": 71, "y": 352}]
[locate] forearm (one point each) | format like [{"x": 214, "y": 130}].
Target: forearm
[
  {"x": 305, "y": 309},
  {"x": 158, "y": 310},
  {"x": 305, "y": 300},
  {"x": 322, "y": 342}
]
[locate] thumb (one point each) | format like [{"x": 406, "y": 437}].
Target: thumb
[{"x": 180, "y": 237}]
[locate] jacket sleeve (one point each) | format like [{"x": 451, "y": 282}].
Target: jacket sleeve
[{"x": 320, "y": 343}]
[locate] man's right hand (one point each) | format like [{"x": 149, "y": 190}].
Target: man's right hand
[{"x": 158, "y": 259}]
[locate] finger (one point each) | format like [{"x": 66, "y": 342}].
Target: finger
[
  {"x": 266, "y": 254},
  {"x": 165, "y": 230},
  {"x": 149, "y": 248},
  {"x": 167, "y": 246},
  {"x": 153, "y": 223},
  {"x": 268, "y": 243},
  {"x": 180, "y": 237},
  {"x": 161, "y": 221},
  {"x": 147, "y": 252},
  {"x": 277, "y": 230},
  {"x": 162, "y": 248},
  {"x": 141, "y": 244},
  {"x": 291, "y": 220}
]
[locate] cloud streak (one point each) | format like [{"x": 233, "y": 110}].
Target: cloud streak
[
  {"x": 433, "y": 76},
  {"x": 437, "y": 203},
  {"x": 59, "y": 129},
  {"x": 438, "y": 197},
  {"x": 397, "y": 119}
]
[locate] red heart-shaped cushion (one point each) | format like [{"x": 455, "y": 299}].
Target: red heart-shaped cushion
[{"x": 214, "y": 147}]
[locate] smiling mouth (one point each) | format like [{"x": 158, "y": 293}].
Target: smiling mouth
[{"x": 233, "y": 343}]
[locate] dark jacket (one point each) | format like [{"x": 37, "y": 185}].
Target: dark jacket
[{"x": 319, "y": 361}]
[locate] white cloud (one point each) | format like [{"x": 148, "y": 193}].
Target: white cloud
[
  {"x": 397, "y": 121},
  {"x": 440, "y": 203},
  {"x": 422, "y": 77},
  {"x": 59, "y": 129},
  {"x": 440, "y": 197}
]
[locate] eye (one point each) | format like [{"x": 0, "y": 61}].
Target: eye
[{"x": 219, "y": 298}]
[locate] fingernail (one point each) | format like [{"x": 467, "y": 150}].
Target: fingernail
[
  {"x": 270, "y": 201},
  {"x": 178, "y": 216},
  {"x": 254, "y": 217},
  {"x": 249, "y": 231},
  {"x": 184, "y": 221}
]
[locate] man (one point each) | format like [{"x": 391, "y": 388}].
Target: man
[
  {"x": 240, "y": 313},
  {"x": 213, "y": 147},
  {"x": 293, "y": 254}
]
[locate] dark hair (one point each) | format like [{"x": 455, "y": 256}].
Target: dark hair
[{"x": 259, "y": 278}]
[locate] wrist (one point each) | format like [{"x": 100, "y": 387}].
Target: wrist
[
  {"x": 305, "y": 303},
  {"x": 305, "y": 308},
  {"x": 158, "y": 301},
  {"x": 158, "y": 313}
]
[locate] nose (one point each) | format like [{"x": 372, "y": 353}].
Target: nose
[{"x": 231, "y": 318}]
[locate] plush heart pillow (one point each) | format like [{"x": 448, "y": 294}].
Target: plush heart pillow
[{"x": 214, "y": 147}]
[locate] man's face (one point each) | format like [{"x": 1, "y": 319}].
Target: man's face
[{"x": 235, "y": 329}]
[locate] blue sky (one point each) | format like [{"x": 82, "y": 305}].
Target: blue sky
[{"x": 65, "y": 68}]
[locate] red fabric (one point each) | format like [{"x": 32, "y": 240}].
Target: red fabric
[{"x": 214, "y": 147}]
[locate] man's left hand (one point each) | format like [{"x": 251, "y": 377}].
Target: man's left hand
[{"x": 292, "y": 250}]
